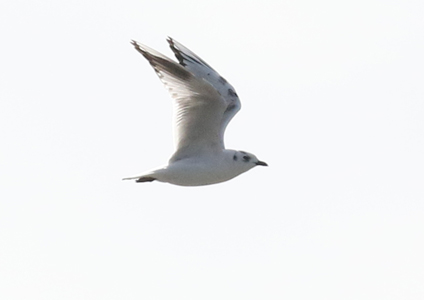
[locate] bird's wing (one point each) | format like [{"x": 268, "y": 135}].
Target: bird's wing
[
  {"x": 201, "y": 111},
  {"x": 201, "y": 69}
]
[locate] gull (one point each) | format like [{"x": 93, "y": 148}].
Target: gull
[{"x": 204, "y": 104}]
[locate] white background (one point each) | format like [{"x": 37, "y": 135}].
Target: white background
[{"x": 333, "y": 101}]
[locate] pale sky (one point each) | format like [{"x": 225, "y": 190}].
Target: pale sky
[{"x": 332, "y": 99}]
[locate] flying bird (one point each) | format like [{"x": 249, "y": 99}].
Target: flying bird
[{"x": 204, "y": 104}]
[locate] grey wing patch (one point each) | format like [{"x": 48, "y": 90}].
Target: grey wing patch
[
  {"x": 199, "y": 68},
  {"x": 184, "y": 57}
]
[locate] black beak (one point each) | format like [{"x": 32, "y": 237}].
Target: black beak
[{"x": 261, "y": 163}]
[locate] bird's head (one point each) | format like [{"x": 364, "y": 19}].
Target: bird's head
[{"x": 247, "y": 160}]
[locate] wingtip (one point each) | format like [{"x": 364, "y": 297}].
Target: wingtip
[
  {"x": 170, "y": 41},
  {"x": 140, "y": 48},
  {"x": 135, "y": 44}
]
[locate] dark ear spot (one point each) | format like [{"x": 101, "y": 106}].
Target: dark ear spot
[{"x": 235, "y": 157}]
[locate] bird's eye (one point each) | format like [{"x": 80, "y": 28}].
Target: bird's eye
[{"x": 246, "y": 158}]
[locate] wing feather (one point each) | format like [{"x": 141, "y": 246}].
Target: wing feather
[
  {"x": 204, "y": 102},
  {"x": 200, "y": 68}
]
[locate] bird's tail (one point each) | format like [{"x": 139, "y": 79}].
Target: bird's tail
[{"x": 142, "y": 178}]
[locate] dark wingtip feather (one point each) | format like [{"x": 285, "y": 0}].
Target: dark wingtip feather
[
  {"x": 161, "y": 63},
  {"x": 137, "y": 47},
  {"x": 146, "y": 54},
  {"x": 176, "y": 51},
  {"x": 135, "y": 44}
]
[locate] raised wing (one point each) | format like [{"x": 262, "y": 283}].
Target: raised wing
[
  {"x": 201, "y": 69},
  {"x": 200, "y": 108}
]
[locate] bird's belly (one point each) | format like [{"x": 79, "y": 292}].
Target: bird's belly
[{"x": 196, "y": 174}]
